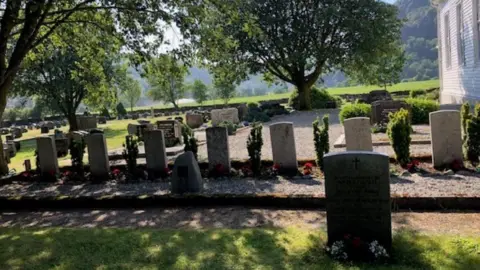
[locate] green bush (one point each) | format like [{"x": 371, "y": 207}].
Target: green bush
[
  {"x": 421, "y": 109},
  {"x": 105, "y": 113},
  {"x": 417, "y": 93},
  {"x": 254, "y": 116},
  {"x": 434, "y": 95},
  {"x": 254, "y": 147},
  {"x": 398, "y": 130},
  {"x": 465, "y": 113},
  {"x": 351, "y": 110},
  {"x": 121, "y": 109},
  {"x": 471, "y": 144},
  {"x": 252, "y": 105},
  {"x": 231, "y": 127},
  {"x": 320, "y": 98},
  {"x": 321, "y": 140},
  {"x": 189, "y": 140}
]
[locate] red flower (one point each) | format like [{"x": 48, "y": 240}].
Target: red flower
[
  {"x": 307, "y": 171},
  {"x": 67, "y": 173},
  {"x": 356, "y": 242},
  {"x": 276, "y": 167},
  {"x": 26, "y": 174},
  {"x": 166, "y": 170},
  {"x": 116, "y": 171},
  {"x": 347, "y": 236},
  {"x": 308, "y": 165},
  {"x": 52, "y": 172}
]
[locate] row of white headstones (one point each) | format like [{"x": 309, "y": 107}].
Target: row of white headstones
[{"x": 445, "y": 132}]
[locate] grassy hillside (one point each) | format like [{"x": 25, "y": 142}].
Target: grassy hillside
[{"x": 336, "y": 91}]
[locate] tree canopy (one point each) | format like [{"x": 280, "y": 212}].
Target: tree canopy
[
  {"x": 199, "y": 91},
  {"x": 131, "y": 91},
  {"x": 166, "y": 76},
  {"x": 297, "y": 41}
]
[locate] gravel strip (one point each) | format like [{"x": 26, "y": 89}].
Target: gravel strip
[{"x": 415, "y": 186}]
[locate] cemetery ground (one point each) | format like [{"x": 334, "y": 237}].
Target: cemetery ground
[{"x": 221, "y": 238}]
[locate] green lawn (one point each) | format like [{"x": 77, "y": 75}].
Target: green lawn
[
  {"x": 215, "y": 249},
  {"x": 115, "y": 132},
  {"x": 337, "y": 91}
]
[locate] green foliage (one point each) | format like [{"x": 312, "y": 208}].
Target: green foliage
[
  {"x": 231, "y": 127},
  {"x": 417, "y": 93},
  {"x": 421, "y": 109},
  {"x": 465, "y": 114},
  {"x": 224, "y": 89},
  {"x": 320, "y": 98},
  {"x": 189, "y": 140},
  {"x": 321, "y": 140},
  {"x": 471, "y": 144},
  {"x": 121, "y": 109},
  {"x": 259, "y": 32},
  {"x": 77, "y": 151},
  {"x": 252, "y": 105},
  {"x": 398, "y": 130},
  {"x": 130, "y": 154},
  {"x": 379, "y": 128},
  {"x": 351, "y": 110},
  {"x": 199, "y": 91},
  {"x": 254, "y": 147},
  {"x": 257, "y": 115},
  {"x": 166, "y": 76},
  {"x": 385, "y": 70},
  {"x": 130, "y": 90},
  {"x": 105, "y": 113}
]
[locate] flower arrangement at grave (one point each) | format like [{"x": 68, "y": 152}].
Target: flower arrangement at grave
[
  {"x": 218, "y": 171},
  {"x": 413, "y": 166},
  {"x": 307, "y": 169},
  {"x": 352, "y": 248}
]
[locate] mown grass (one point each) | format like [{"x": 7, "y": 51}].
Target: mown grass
[
  {"x": 115, "y": 132},
  {"x": 215, "y": 249},
  {"x": 420, "y": 85}
]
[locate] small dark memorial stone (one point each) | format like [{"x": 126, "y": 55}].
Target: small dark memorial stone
[{"x": 357, "y": 189}]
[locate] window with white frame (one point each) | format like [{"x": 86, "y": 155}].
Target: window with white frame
[
  {"x": 448, "y": 41},
  {"x": 460, "y": 36}
]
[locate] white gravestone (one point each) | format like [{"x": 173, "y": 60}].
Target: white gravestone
[
  {"x": 358, "y": 136},
  {"x": 283, "y": 145},
  {"x": 446, "y": 132}
]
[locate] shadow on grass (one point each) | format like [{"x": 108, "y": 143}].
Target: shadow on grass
[{"x": 214, "y": 249}]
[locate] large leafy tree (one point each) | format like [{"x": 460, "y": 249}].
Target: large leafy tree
[
  {"x": 386, "y": 69},
  {"x": 199, "y": 91},
  {"x": 166, "y": 75},
  {"x": 297, "y": 41},
  {"x": 27, "y": 24},
  {"x": 131, "y": 91}
]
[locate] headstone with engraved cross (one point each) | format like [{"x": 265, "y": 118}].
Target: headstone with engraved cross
[
  {"x": 357, "y": 189},
  {"x": 186, "y": 176}
]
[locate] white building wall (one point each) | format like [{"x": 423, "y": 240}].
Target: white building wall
[{"x": 459, "y": 82}]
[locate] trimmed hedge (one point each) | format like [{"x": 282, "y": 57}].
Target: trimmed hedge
[
  {"x": 351, "y": 110},
  {"x": 320, "y": 98},
  {"x": 421, "y": 109}
]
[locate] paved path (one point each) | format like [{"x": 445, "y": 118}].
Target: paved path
[{"x": 232, "y": 217}]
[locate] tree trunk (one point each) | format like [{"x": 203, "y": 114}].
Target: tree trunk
[
  {"x": 304, "y": 97},
  {"x": 72, "y": 122},
  {"x": 4, "y": 87},
  {"x": 175, "y": 105}
]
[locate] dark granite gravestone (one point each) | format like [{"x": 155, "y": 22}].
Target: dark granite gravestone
[
  {"x": 186, "y": 176},
  {"x": 357, "y": 189},
  {"x": 44, "y": 129},
  {"x": 381, "y": 109},
  {"x": 172, "y": 132}
]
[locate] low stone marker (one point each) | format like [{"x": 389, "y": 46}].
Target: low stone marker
[
  {"x": 155, "y": 152},
  {"x": 86, "y": 122},
  {"x": 381, "y": 109},
  {"x": 357, "y": 190},
  {"x": 230, "y": 115},
  {"x": 98, "y": 155},
  {"x": 102, "y": 120},
  {"x": 186, "y": 176},
  {"x": 283, "y": 145},
  {"x": 217, "y": 148},
  {"x": 358, "y": 136},
  {"x": 44, "y": 130},
  {"x": 47, "y": 154},
  {"x": 446, "y": 133},
  {"x": 194, "y": 120}
]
